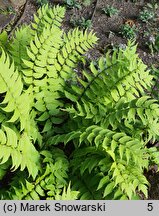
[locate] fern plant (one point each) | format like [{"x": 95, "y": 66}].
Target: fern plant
[
  {"x": 111, "y": 121},
  {"x": 35, "y": 64},
  {"x": 59, "y": 128}
]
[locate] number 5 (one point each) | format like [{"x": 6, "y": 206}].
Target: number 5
[{"x": 150, "y": 206}]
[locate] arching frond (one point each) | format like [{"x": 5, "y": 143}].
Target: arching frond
[
  {"x": 48, "y": 17},
  {"x": 15, "y": 100},
  {"x": 49, "y": 183}
]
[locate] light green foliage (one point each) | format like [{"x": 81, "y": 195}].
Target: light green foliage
[
  {"x": 3, "y": 39},
  {"x": 113, "y": 121},
  {"x": 59, "y": 128},
  {"x": 47, "y": 17},
  {"x": 19, "y": 44},
  {"x": 34, "y": 65},
  {"x": 67, "y": 194},
  {"x": 49, "y": 183},
  {"x": 12, "y": 88}
]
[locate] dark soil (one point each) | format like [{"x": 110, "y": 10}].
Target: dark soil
[
  {"x": 154, "y": 186},
  {"x": 108, "y": 31}
]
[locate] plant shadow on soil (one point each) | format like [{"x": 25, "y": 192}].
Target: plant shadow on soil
[{"x": 108, "y": 31}]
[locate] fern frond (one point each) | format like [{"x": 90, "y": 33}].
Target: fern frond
[
  {"x": 47, "y": 104},
  {"x": 110, "y": 141},
  {"x": 18, "y": 45},
  {"x": 142, "y": 112},
  {"x": 48, "y": 17},
  {"x": 129, "y": 178},
  {"x": 64, "y": 138},
  {"x": 32, "y": 128},
  {"x": 153, "y": 156},
  {"x": 3, "y": 40},
  {"x": 67, "y": 194},
  {"x": 52, "y": 59},
  {"x": 116, "y": 178},
  {"x": 112, "y": 152},
  {"x": 117, "y": 145},
  {"x": 15, "y": 100},
  {"x": 87, "y": 189},
  {"x": 116, "y": 77},
  {"x": 45, "y": 90},
  {"x": 41, "y": 50},
  {"x": 20, "y": 150},
  {"x": 76, "y": 43},
  {"x": 49, "y": 184},
  {"x": 52, "y": 56},
  {"x": 30, "y": 156},
  {"x": 86, "y": 159}
]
